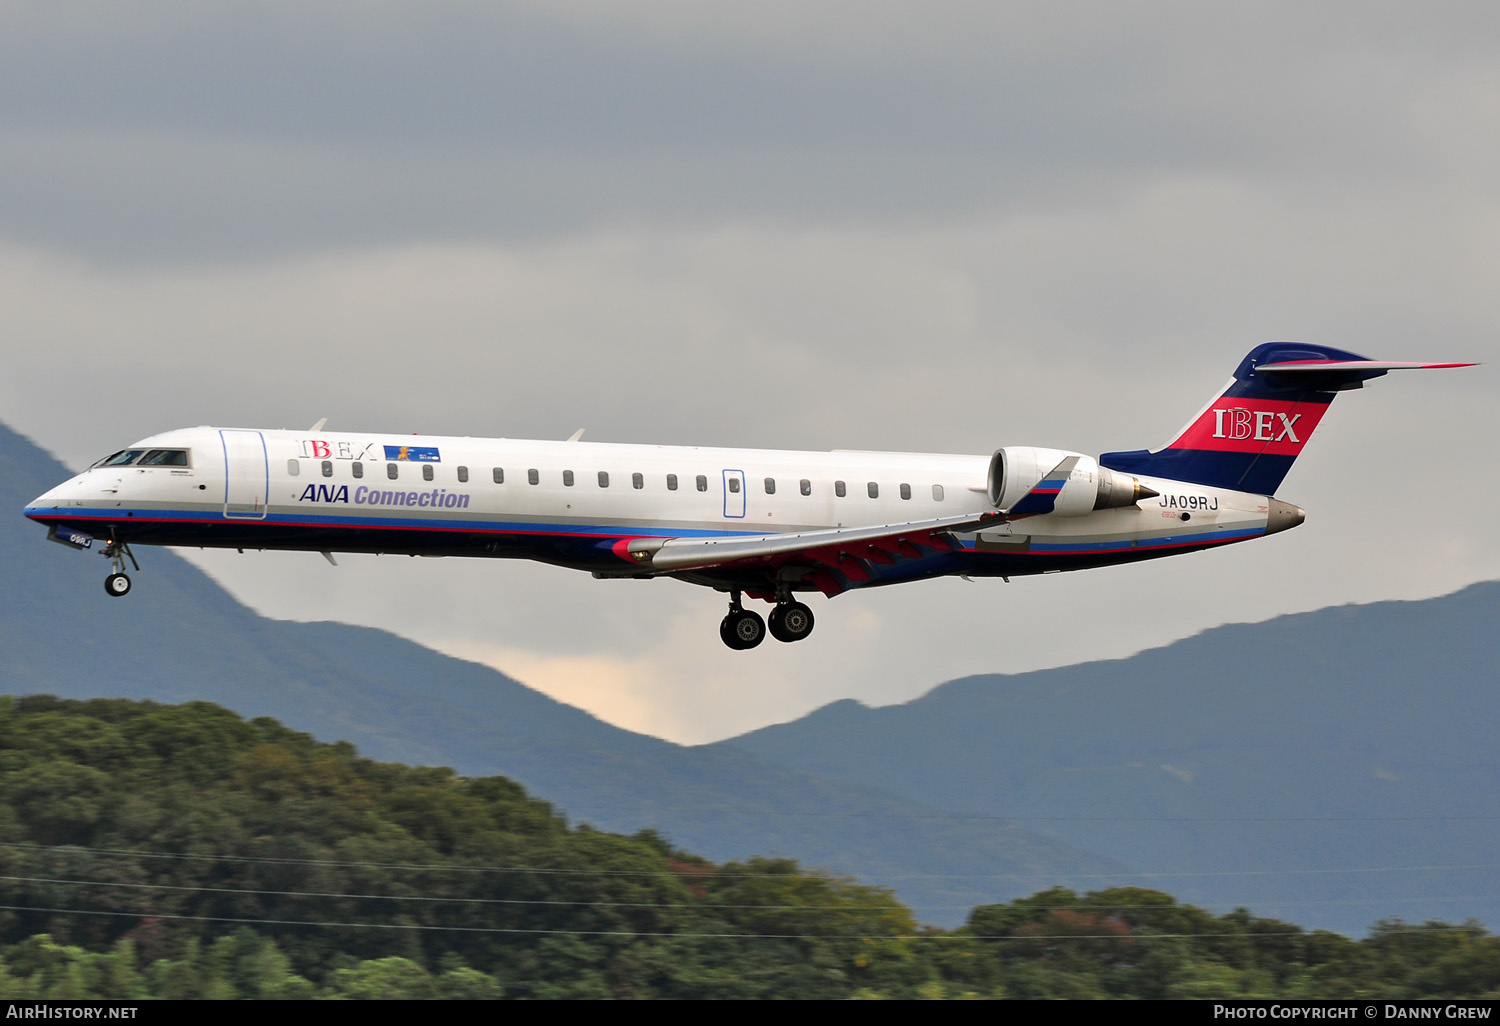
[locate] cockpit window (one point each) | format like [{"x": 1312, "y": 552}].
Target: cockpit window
[
  {"x": 165, "y": 458},
  {"x": 120, "y": 459}
]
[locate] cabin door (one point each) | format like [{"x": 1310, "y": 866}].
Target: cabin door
[
  {"x": 247, "y": 474},
  {"x": 734, "y": 493}
]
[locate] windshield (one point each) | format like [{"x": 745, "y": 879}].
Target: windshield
[
  {"x": 121, "y": 458},
  {"x": 165, "y": 458}
]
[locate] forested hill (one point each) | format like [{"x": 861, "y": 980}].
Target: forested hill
[{"x": 181, "y": 851}]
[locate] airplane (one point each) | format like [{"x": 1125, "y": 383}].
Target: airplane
[{"x": 770, "y": 525}]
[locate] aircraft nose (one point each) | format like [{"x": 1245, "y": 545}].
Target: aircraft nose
[
  {"x": 51, "y": 500},
  {"x": 1283, "y": 516},
  {"x": 42, "y": 504}
]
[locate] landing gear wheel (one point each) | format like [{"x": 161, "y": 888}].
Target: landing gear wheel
[
  {"x": 791, "y": 621},
  {"x": 742, "y": 629},
  {"x": 117, "y": 585}
]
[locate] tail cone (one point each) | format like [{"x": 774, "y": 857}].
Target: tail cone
[{"x": 1282, "y": 516}]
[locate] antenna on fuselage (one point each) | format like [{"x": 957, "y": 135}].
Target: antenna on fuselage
[
  {"x": 576, "y": 435},
  {"x": 319, "y": 425}
]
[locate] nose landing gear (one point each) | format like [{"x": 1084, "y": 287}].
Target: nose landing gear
[{"x": 117, "y": 584}]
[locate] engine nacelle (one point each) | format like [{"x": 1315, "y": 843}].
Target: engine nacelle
[{"x": 1016, "y": 470}]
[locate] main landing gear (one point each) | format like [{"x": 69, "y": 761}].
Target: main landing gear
[
  {"x": 117, "y": 585},
  {"x": 791, "y": 621},
  {"x": 743, "y": 628}
]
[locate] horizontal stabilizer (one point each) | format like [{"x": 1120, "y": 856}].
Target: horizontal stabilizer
[
  {"x": 1335, "y": 375},
  {"x": 1326, "y": 365}
]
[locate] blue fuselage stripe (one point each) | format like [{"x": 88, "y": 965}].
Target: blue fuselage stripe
[
  {"x": 595, "y": 531},
  {"x": 383, "y": 522}
]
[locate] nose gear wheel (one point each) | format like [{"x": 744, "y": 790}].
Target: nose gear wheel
[{"x": 117, "y": 584}]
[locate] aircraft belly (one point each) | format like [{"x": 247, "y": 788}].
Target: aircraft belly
[{"x": 1162, "y": 527}]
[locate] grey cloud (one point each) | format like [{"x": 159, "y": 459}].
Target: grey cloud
[
  {"x": 1002, "y": 224},
  {"x": 248, "y": 131}
]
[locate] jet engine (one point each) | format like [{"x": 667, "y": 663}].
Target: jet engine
[{"x": 1016, "y": 470}]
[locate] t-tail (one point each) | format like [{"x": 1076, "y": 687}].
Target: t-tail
[{"x": 1248, "y": 437}]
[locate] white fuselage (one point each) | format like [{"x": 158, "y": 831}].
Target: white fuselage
[
  {"x": 573, "y": 502},
  {"x": 756, "y": 522}
]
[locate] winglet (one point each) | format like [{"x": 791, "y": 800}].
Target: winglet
[{"x": 1043, "y": 497}]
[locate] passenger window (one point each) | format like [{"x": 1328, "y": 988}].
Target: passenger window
[
  {"x": 392, "y": 470},
  {"x": 906, "y": 491},
  {"x": 567, "y": 479},
  {"x": 358, "y": 468},
  {"x": 671, "y": 482},
  {"x": 637, "y": 480},
  {"x": 806, "y": 486},
  {"x": 463, "y": 475},
  {"x": 603, "y": 479},
  {"x": 873, "y": 489},
  {"x": 770, "y": 486},
  {"x": 327, "y": 468},
  {"x": 937, "y": 492},
  {"x": 499, "y": 475},
  {"x": 734, "y": 485},
  {"x": 838, "y": 489},
  {"x": 533, "y": 476},
  {"x": 702, "y": 483},
  {"x": 427, "y": 472},
  {"x": 292, "y": 467}
]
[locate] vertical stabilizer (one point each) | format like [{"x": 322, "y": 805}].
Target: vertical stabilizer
[{"x": 1248, "y": 437}]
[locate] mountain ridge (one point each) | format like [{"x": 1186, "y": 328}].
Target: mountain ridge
[{"x": 1350, "y": 741}]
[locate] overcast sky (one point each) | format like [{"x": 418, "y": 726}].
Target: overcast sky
[{"x": 937, "y": 227}]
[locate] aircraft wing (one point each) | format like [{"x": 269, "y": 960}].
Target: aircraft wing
[
  {"x": 835, "y": 558},
  {"x": 696, "y": 553}
]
